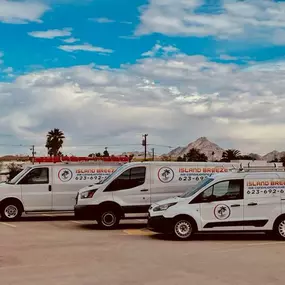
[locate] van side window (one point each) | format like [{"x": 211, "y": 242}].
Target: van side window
[
  {"x": 221, "y": 191},
  {"x": 129, "y": 179},
  {"x": 36, "y": 176}
]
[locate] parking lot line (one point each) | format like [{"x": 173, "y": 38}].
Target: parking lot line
[
  {"x": 8, "y": 225},
  {"x": 142, "y": 232},
  {"x": 77, "y": 222}
]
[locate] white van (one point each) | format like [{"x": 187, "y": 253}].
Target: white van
[
  {"x": 244, "y": 200},
  {"x": 49, "y": 187},
  {"x": 133, "y": 187}
]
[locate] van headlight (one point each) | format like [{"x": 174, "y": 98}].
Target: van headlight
[
  {"x": 164, "y": 207},
  {"x": 87, "y": 194}
]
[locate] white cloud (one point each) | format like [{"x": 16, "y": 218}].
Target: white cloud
[
  {"x": 8, "y": 70},
  {"x": 21, "y": 12},
  {"x": 84, "y": 47},
  {"x": 51, "y": 34},
  {"x": 255, "y": 20},
  {"x": 160, "y": 50},
  {"x": 102, "y": 20},
  {"x": 227, "y": 57},
  {"x": 129, "y": 37},
  {"x": 175, "y": 99},
  {"x": 70, "y": 40}
]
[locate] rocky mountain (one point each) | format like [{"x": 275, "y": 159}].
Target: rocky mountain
[
  {"x": 273, "y": 155},
  {"x": 204, "y": 145},
  {"x": 207, "y": 147}
]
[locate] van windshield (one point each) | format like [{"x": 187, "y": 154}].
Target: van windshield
[
  {"x": 197, "y": 187},
  {"x": 113, "y": 174},
  {"x": 19, "y": 175}
]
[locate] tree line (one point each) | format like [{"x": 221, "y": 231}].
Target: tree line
[{"x": 227, "y": 156}]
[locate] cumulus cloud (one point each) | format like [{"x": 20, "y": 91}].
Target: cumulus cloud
[
  {"x": 22, "y": 12},
  {"x": 175, "y": 99},
  {"x": 51, "y": 34},
  {"x": 255, "y": 20},
  {"x": 84, "y": 47}
]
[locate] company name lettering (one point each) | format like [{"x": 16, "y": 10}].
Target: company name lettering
[
  {"x": 204, "y": 170},
  {"x": 265, "y": 183},
  {"x": 100, "y": 170}
]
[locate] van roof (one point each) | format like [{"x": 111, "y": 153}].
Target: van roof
[
  {"x": 241, "y": 175},
  {"x": 184, "y": 162},
  {"x": 75, "y": 164}
]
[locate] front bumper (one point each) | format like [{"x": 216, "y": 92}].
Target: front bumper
[
  {"x": 86, "y": 212},
  {"x": 160, "y": 224}
]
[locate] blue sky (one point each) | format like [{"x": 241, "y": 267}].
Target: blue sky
[{"x": 194, "y": 63}]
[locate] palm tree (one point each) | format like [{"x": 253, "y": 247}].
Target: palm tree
[
  {"x": 54, "y": 142},
  {"x": 195, "y": 155},
  {"x": 231, "y": 154}
]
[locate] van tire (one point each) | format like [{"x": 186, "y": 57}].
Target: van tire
[
  {"x": 279, "y": 228},
  {"x": 11, "y": 210},
  {"x": 109, "y": 219},
  {"x": 183, "y": 228}
]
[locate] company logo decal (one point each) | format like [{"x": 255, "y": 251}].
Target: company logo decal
[
  {"x": 165, "y": 174},
  {"x": 222, "y": 212},
  {"x": 65, "y": 174}
]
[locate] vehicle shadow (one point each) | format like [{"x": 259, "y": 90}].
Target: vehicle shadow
[
  {"x": 125, "y": 226},
  {"x": 43, "y": 218},
  {"x": 220, "y": 237},
  {"x": 83, "y": 224}
]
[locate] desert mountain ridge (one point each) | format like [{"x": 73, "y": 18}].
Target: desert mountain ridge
[{"x": 215, "y": 152}]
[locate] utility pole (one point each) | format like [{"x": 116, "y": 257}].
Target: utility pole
[
  {"x": 144, "y": 143},
  {"x": 152, "y": 154},
  {"x": 33, "y": 154}
]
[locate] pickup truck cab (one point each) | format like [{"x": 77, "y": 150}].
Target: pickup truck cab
[{"x": 242, "y": 200}]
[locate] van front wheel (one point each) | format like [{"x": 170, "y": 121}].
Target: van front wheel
[
  {"x": 183, "y": 229},
  {"x": 11, "y": 211},
  {"x": 280, "y": 228},
  {"x": 109, "y": 219}
]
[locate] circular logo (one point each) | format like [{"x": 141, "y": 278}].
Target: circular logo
[
  {"x": 65, "y": 174},
  {"x": 222, "y": 212},
  {"x": 165, "y": 174}
]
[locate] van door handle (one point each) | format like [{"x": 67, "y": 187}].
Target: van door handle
[
  {"x": 252, "y": 204},
  {"x": 144, "y": 190},
  {"x": 49, "y": 188},
  {"x": 235, "y": 205}
]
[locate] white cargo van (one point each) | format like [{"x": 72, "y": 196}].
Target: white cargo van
[
  {"x": 245, "y": 200},
  {"x": 49, "y": 187},
  {"x": 133, "y": 187}
]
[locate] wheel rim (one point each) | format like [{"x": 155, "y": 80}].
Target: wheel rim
[
  {"x": 11, "y": 211},
  {"x": 281, "y": 228},
  {"x": 183, "y": 229},
  {"x": 108, "y": 219}
]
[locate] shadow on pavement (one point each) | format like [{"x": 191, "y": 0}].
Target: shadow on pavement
[
  {"x": 43, "y": 218},
  {"x": 220, "y": 237},
  {"x": 125, "y": 226}
]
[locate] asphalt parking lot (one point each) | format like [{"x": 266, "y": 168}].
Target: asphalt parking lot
[{"x": 50, "y": 249}]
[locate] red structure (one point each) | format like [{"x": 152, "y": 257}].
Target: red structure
[{"x": 55, "y": 159}]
